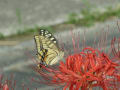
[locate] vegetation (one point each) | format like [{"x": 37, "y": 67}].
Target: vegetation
[
  {"x": 2, "y": 36},
  {"x": 19, "y": 16},
  {"x": 28, "y": 31},
  {"x": 88, "y": 19}
]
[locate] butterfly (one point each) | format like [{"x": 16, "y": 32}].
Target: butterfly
[{"x": 48, "y": 52}]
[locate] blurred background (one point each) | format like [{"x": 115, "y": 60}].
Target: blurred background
[{"x": 20, "y": 20}]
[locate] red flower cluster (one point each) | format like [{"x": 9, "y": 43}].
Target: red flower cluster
[
  {"x": 3, "y": 86},
  {"x": 90, "y": 68},
  {"x": 87, "y": 69}
]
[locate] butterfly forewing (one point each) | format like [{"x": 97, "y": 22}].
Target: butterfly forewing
[{"x": 48, "y": 35}]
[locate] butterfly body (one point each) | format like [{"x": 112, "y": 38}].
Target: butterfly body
[{"x": 48, "y": 51}]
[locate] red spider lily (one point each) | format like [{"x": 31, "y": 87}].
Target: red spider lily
[
  {"x": 88, "y": 69},
  {"x": 10, "y": 84},
  {"x": 5, "y": 87},
  {"x": 7, "y": 84},
  {"x": 116, "y": 51}
]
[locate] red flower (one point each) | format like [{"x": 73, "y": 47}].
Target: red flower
[
  {"x": 10, "y": 84},
  {"x": 116, "y": 51},
  {"x": 87, "y": 69},
  {"x": 7, "y": 84},
  {"x": 5, "y": 87}
]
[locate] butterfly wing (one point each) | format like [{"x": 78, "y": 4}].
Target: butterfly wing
[
  {"x": 41, "y": 52},
  {"x": 48, "y": 40},
  {"x": 47, "y": 47}
]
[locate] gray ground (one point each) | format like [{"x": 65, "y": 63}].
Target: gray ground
[
  {"x": 19, "y": 14},
  {"x": 17, "y": 58}
]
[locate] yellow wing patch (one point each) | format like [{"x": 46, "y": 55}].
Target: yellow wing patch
[{"x": 47, "y": 49}]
